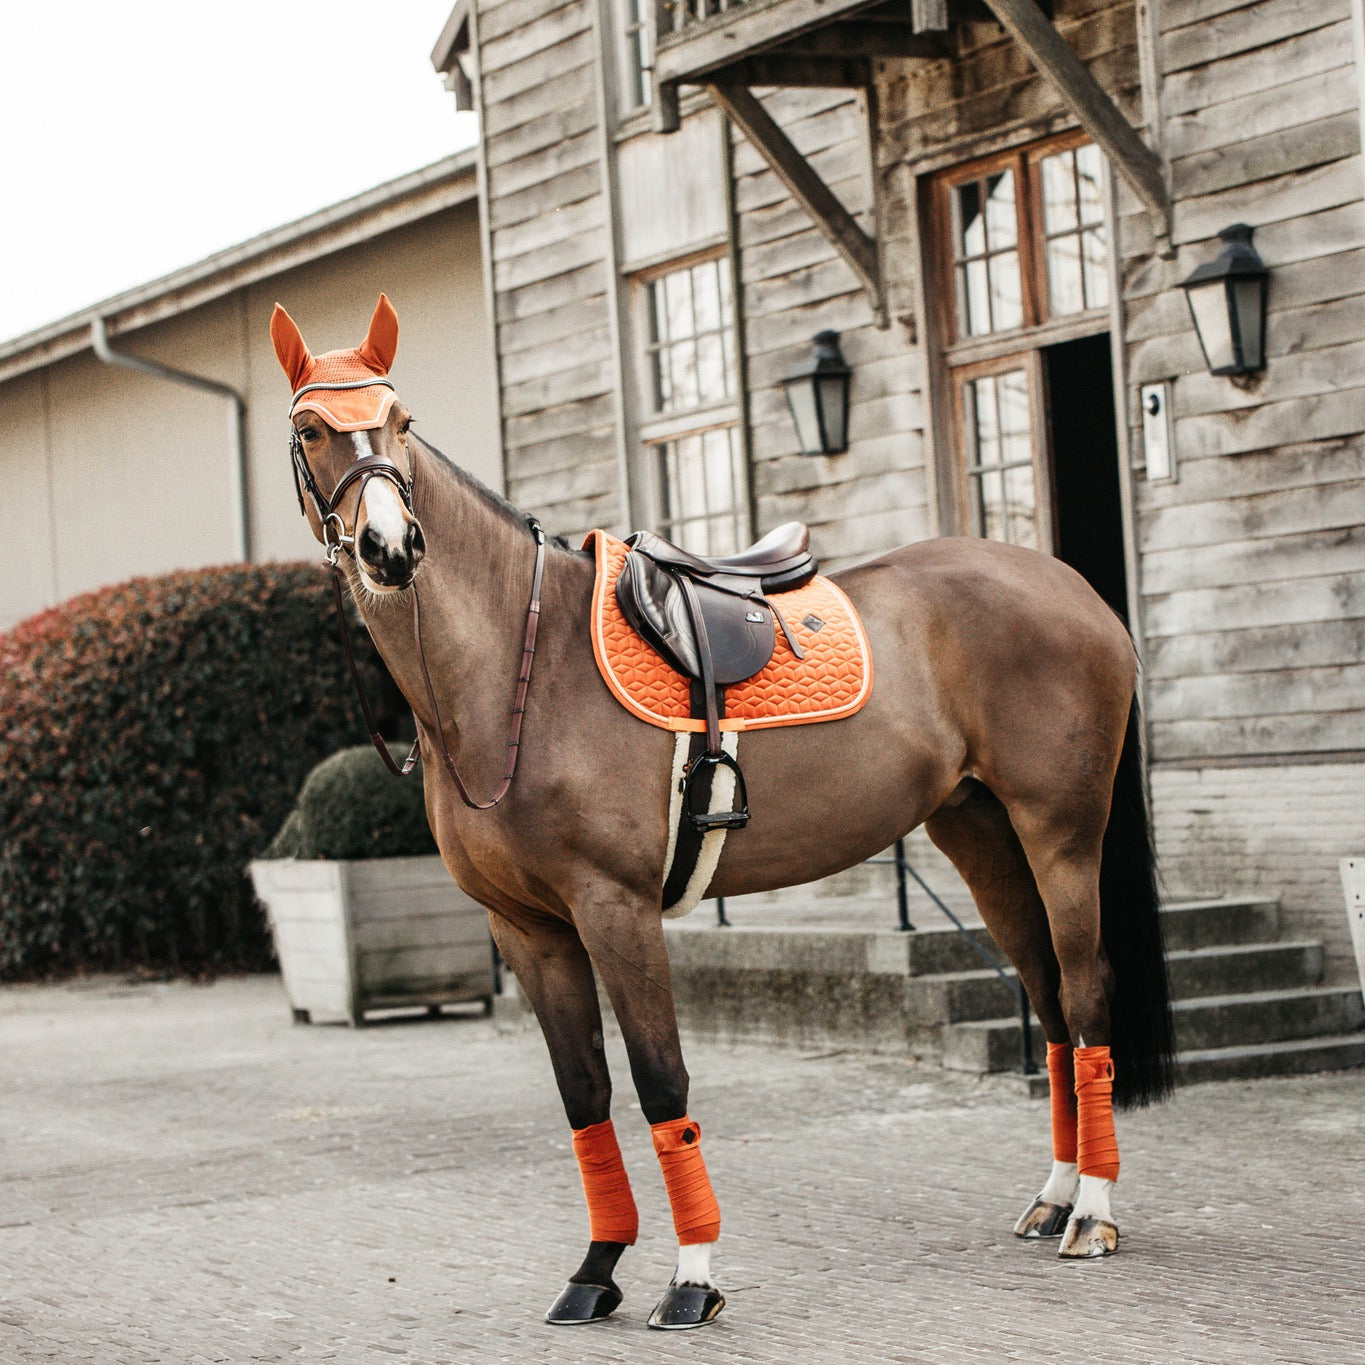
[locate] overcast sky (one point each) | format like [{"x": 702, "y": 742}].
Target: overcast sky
[{"x": 142, "y": 135}]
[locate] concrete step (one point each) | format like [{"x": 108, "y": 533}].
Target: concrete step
[
  {"x": 1202, "y": 1023},
  {"x": 1218, "y": 1021},
  {"x": 1211, "y": 923},
  {"x": 1335, "y": 1053},
  {"x": 1238, "y": 968},
  {"x": 829, "y": 951}
]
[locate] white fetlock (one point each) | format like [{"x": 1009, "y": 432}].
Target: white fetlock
[
  {"x": 1092, "y": 1198},
  {"x": 694, "y": 1265},
  {"x": 1061, "y": 1185}
]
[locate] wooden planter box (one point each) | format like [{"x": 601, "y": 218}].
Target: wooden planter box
[{"x": 384, "y": 933}]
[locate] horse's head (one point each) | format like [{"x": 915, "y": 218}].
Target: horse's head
[{"x": 352, "y": 464}]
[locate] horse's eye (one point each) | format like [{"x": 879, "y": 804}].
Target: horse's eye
[
  {"x": 405, "y": 426},
  {"x": 309, "y": 433}
]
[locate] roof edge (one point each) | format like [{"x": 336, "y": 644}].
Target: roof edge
[{"x": 395, "y": 203}]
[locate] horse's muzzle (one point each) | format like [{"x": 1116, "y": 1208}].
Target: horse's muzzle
[{"x": 387, "y": 564}]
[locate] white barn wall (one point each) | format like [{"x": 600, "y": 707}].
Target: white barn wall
[{"x": 116, "y": 474}]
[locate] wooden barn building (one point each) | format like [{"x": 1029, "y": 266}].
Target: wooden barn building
[{"x": 996, "y": 206}]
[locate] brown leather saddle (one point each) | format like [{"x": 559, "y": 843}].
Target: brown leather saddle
[{"x": 713, "y": 621}]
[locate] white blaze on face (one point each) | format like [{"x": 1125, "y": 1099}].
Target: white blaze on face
[{"x": 380, "y": 504}]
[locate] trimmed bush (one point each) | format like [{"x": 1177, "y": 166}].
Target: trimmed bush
[
  {"x": 152, "y": 736},
  {"x": 352, "y": 806}
]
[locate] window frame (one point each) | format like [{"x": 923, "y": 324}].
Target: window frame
[
  {"x": 1030, "y": 361},
  {"x": 959, "y": 359},
  {"x": 652, "y": 428},
  {"x": 1038, "y": 328}
]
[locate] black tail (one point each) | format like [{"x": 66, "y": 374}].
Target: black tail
[{"x": 1141, "y": 1039}]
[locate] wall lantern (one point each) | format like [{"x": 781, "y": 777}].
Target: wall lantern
[
  {"x": 817, "y": 393},
  {"x": 1228, "y": 301}
]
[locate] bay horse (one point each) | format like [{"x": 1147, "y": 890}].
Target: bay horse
[{"x": 1003, "y": 718}]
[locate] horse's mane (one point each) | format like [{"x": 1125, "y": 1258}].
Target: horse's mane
[{"x": 495, "y": 501}]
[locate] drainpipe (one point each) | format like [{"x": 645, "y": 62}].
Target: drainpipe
[{"x": 99, "y": 339}]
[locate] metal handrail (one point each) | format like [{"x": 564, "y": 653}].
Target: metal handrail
[{"x": 903, "y": 866}]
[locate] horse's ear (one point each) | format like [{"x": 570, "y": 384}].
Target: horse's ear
[
  {"x": 290, "y": 350},
  {"x": 381, "y": 341}
]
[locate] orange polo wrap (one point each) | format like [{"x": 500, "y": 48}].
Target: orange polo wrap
[
  {"x": 696, "y": 1215},
  {"x": 1062, "y": 1088},
  {"x": 612, "y": 1216},
  {"x": 1097, "y": 1148}
]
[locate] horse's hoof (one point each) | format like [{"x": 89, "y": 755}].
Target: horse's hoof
[
  {"x": 687, "y": 1305},
  {"x": 1042, "y": 1219},
  {"x": 579, "y": 1303},
  {"x": 1089, "y": 1237}
]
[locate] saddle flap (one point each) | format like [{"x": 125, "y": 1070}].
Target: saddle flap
[
  {"x": 740, "y": 632},
  {"x": 654, "y": 608}
]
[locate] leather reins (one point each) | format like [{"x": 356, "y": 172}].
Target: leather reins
[{"x": 380, "y": 466}]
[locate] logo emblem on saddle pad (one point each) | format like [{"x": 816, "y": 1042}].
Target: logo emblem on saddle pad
[{"x": 832, "y": 681}]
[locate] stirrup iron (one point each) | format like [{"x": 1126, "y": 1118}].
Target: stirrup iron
[{"x": 703, "y": 820}]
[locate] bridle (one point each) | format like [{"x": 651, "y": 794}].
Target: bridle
[
  {"x": 336, "y": 538},
  {"x": 367, "y": 467}
]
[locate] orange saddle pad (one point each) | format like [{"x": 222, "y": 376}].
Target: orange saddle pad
[{"x": 833, "y": 680}]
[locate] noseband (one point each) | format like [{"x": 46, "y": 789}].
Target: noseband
[{"x": 335, "y": 537}]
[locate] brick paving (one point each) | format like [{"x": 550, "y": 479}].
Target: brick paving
[{"x": 186, "y": 1177}]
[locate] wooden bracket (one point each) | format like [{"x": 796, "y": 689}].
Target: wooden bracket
[
  {"x": 1091, "y": 104},
  {"x": 663, "y": 101},
  {"x": 838, "y": 225}
]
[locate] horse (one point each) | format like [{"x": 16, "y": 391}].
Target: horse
[{"x": 1003, "y": 718}]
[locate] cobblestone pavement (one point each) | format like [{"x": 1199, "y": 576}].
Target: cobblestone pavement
[{"x": 185, "y": 1176}]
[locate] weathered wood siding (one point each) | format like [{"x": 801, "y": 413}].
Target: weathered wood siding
[
  {"x": 1253, "y": 560},
  {"x": 794, "y": 283},
  {"x": 549, "y": 245},
  {"x": 1249, "y": 565}
]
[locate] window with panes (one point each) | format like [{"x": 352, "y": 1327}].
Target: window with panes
[
  {"x": 692, "y": 448},
  {"x": 1024, "y": 261}
]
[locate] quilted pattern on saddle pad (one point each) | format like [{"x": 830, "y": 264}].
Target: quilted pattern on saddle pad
[{"x": 833, "y": 680}]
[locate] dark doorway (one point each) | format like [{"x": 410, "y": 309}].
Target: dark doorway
[{"x": 1085, "y": 464}]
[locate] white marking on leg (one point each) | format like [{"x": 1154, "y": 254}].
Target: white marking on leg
[
  {"x": 1061, "y": 1184},
  {"x": 694, "y": 1265},
  {"x": 1092, "y": 1198}
]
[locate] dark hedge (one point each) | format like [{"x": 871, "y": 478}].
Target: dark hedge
[
  {"x": 352, "y": 806},
  {"x": 152, "y": 738}
]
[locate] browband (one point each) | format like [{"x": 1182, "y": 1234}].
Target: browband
[{"x": 353, "y": 384}]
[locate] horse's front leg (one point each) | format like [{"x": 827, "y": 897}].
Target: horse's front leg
[
  {"x": 553, "y": 970},
  {"x": 624, "y": 935}
]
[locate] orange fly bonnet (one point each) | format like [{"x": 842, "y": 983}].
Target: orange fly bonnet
[{"x": 349, "y": 390}]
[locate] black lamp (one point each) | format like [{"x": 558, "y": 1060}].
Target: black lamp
[
  {"x": 817, "y": 393},
  {"x": 1228, "y": 302}
]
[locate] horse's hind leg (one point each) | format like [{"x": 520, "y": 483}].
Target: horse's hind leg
[
  {"x": 554, "y": 971},
  {"x": 1063, "y": 838},
  {"x": 979, "y": 839}
]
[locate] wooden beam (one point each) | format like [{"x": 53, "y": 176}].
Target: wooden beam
[
  {"x": 929, "y": 15},
  {"x": 665, "y": 115},
  {"x": 1090, "y": 102},
  {"x": 837, "y": 224},
  {"x": 856, "y": 38},
  {"x": 777, "y": 68},
  {"x": 689, "y": 53}
]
